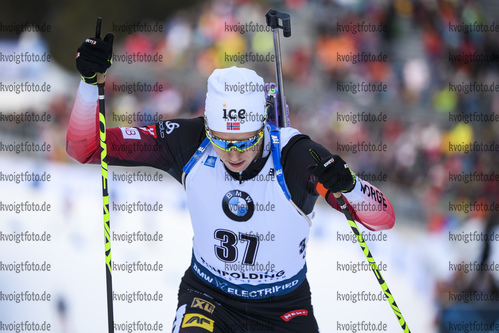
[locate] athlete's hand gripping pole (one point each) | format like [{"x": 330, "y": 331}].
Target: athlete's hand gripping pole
[
  {"x": 272, "y": 17},
  {"x": 339, "y": 197},
  {"x": 105, "y": 191}
]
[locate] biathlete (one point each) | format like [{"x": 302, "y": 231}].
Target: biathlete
[{"x": 244, "y": 179}]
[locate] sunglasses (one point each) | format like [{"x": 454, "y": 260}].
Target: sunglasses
[{"x": 240, "y": 145}]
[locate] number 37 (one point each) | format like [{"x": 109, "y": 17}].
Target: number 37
[{"x": 227, "y": 250}]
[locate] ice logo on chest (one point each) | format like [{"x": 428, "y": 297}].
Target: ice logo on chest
[{"x": 238, "y": 206}]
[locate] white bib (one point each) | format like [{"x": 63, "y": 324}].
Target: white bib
[{"x": 249, "y": 239}]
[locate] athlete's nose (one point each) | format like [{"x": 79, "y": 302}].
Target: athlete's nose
[{"x": 234, "y": 154}]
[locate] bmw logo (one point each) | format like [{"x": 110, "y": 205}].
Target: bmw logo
[{"x": 238, "y": 206}]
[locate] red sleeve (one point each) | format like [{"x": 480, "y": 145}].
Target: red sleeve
[
  {"x": 82, "y": 137},
  {"x": 124, "y": 144},
  {"x": 166, "y": 145},
  {"x": 368, "y": 206}
]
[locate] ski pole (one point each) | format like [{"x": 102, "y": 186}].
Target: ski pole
[
  {"x": 105, "y": 191},
  {"x": 323, "y": 192},
  {"x": 272, "y": 17}
]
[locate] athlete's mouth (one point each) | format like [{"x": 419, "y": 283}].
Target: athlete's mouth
[{"x": 236, "y": 165}]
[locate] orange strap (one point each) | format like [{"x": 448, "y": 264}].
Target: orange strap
[{"x": 321, "y": 190}]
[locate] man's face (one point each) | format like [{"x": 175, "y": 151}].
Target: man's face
[{"x": 233, "y": 159}]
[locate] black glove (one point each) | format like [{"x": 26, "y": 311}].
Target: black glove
[
  {"x": 334, "y": 174},
  {"x": 94, "y": 56}
]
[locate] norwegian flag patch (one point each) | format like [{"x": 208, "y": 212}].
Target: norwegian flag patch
[
  {"x": 233, "y": 126},
  {"x": 151, "y": 130}
]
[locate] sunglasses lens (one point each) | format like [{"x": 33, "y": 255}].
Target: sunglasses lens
[{"x": 239, "y": 145}]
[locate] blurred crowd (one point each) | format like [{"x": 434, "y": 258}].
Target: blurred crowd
[{"x": 419, "y": 105}]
